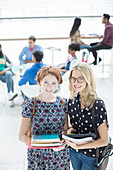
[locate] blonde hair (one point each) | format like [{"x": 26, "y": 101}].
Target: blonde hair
[
  {"x": 89, "y": 93},
  {"x": 49, "y": 70}
]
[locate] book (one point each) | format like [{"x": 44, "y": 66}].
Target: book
[
  {"x": 46, "y": 144},
  {"x": 45, "y": 139},
  {"x": 78, "y": 140},
  {"x": 79, "y": 136},
  {"x": 44, "y": 147}
]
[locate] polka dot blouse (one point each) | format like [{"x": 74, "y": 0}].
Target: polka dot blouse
[{"x": 81, "y": 120}]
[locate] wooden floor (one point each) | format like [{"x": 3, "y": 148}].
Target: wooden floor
[{"x": 13, "y": 152}]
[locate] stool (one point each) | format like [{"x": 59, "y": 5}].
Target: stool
[
  {"x": 52, "y": 49},
  {"x": 103, "y": 74}
]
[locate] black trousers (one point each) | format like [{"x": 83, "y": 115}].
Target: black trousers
[{"x": 95, "y": 47}]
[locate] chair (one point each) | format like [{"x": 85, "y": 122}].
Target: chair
[
  {"x": 30, "y": 90},
  {"x": 2, "y": 92},
  {"x": 103, "y": 74}
]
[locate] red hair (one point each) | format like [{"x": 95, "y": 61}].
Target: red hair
[{"x": 49, "y": 70}]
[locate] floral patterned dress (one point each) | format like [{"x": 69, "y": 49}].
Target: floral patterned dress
[{"x": 48, "y": 118}]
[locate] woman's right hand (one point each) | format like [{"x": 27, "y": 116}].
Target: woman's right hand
[
  {"x": 2, "y": 72},
  {"x": 24, "y": 134},
  {"x": 70, "y": 130}
]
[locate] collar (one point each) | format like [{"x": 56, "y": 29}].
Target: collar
[
  {"x": 31, "y": 49},
  {"x": 77, "y": 96},
  {"x": 73, "y": 55},
  {"x": 106, "y": 25}
]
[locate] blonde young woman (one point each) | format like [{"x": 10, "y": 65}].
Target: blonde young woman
[
  {"x": 82, "y": 97},
  {"x": 50, "y": 117}
]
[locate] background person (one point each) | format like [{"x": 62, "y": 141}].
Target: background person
[
  {"x": 107, "y": 41},
  {"x": 28, "y": 51},
  {"x": 6, "y": 76},
  {"x": 75, "y": 36},
  {"x": 50, "y": 118},
  {"x": 31, "y": 73},
  {"x": 82, "y": 98},
  {"x": 72, "y": 59}
]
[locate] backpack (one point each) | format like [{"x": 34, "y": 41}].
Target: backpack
[{"x": 101, "y": 161}]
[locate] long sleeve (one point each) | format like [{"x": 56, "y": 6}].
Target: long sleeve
[
  {"x": 106, "y": 37},
  {"x": 24, "y": 79},
  {"x": 8, "y": 61},
  {"x": 23, "y": 52}
]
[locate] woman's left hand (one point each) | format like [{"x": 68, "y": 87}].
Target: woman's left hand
[
  {"x": 72, "y": 144},
  {"x": 59, "y": 148}
]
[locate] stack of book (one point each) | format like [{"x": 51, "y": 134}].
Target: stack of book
[
  {"x": 45, "y": 140},
  {"x": 79, "y": 138}
]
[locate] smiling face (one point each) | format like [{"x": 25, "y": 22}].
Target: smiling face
[
  {"x": 77, "y": 81},
  {"x": 49, "y": 84}
]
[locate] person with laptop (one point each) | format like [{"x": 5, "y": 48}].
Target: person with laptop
[{"x": 6, "y": 76}]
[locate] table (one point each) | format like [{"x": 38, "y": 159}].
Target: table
[
  {"x": 19, "y": 70},
  {"x": 90, "y": 36}
]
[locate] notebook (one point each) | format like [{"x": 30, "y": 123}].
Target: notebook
[
  {"x": 78, "y": 140},
  {"x": 44, "y": 147},
  {"x": 45, "y": 139}
]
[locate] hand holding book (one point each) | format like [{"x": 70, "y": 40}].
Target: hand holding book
[
  {"x": 79, "y": 139},
  {"x": 45, "y": 141},
  {"x": 70, "y": 130},
  {"x": 59, "y": 148}
]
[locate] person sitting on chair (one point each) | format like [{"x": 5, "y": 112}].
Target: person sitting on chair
[
  {"x": 28, "y": 51},
  {"x": 75, "y": 36},
  {"x": 107, "y": 41},
  {"x": 72, "y": 58},
  {"x": 31, "y": 73},
  {"x": 6, "y": 76}
]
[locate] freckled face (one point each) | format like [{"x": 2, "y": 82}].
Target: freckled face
[
  {"x": 49, "y": 84},
  {"x": 78, "y": 82}
]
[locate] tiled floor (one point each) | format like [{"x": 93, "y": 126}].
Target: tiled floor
[{"x": 12, "y": 151}]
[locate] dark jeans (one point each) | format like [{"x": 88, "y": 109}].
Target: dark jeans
[
  {"x": 95, "y": 47},
  {"x": 80, "y": 161}
]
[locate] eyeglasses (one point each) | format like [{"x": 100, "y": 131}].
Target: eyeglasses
[{"x": 79, "y": 79}]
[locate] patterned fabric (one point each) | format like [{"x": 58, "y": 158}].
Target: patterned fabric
[
  {"x": 81, "y": 120},
  {"x": 48, "y": 118},
  {"x": 76, "y": 37}
]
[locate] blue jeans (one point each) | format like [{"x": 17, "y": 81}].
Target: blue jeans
[
  {"x": 80, "y": 161},
  {"x": 7, "y": 78},
  {"x": 85, "y": 47}
]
